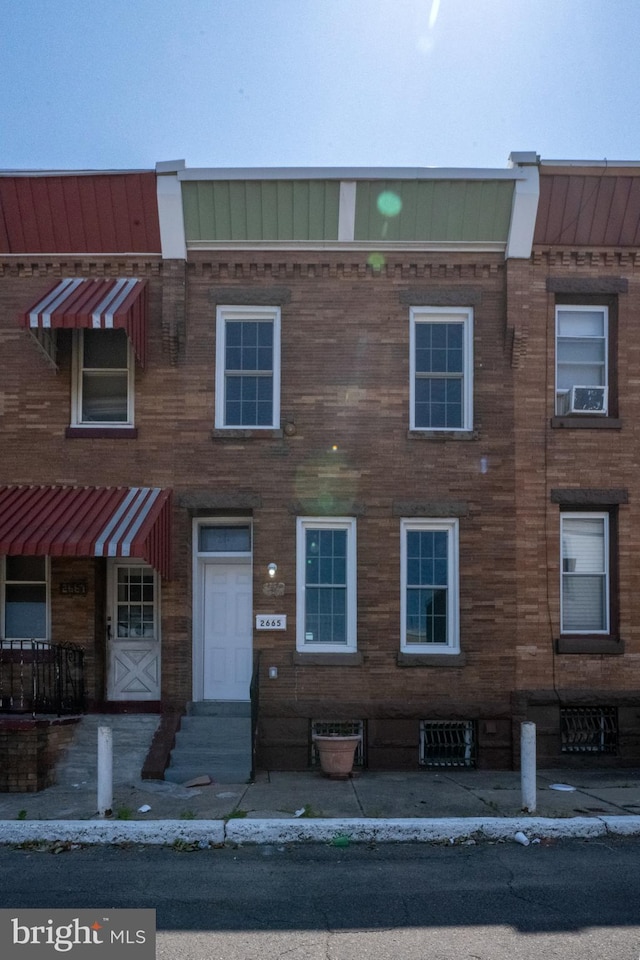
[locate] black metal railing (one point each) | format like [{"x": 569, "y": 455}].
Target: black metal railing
[
  {"x": 38, "y": 677},
  {"x": 254, "y": 693}
]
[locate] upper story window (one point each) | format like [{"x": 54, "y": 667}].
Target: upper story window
[
  {"x": 103, "y": 378},
  {"x": 24, "y": 610},
  {"x": 248, "y": 367},
  {"x": 585, "y": 594},
  {"x": 326, "y": 575},
  {"x": 582, "y": 359},
  {"x": 429, "y": 585},
  {"x": 441, "y": 359}
]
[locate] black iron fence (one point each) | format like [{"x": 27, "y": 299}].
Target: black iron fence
[{"x": 38, "y": 677}]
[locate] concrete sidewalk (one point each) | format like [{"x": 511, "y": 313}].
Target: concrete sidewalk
[{"x": 306, "y": 805}]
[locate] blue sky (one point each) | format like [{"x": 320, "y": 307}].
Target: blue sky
[{"x": 124, "y": 83}]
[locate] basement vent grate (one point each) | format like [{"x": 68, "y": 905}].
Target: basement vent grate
[
  {"x": 589, "y": 729},
  {"x": 447, "y": 743},
  {"x": 339, "y": 728}
]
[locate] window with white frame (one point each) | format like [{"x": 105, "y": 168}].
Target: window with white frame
[
  {"x": 441, "y": 360},
  {"x": 247, "y": 367},
  {"x": 585, "y": 575},
  {"x": 326, "y": 577},
  {"x": 25, "y": 598},
  {"x": 582, "y": 359},
  {"x": 103, "y": 377},
  {"x": 429, "y": 583}
]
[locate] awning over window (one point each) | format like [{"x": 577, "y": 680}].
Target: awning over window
[
  {"x": 120, "y": 304},
  {"x": 87, "y": 522}
]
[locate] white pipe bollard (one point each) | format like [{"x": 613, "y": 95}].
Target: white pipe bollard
[
  {"x": 528, "y": 765},
  {"x": 105, "y": 771}
]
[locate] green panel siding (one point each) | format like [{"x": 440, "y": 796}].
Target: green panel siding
[
  {"x": 216, "y": 211},
  {"x": 436, "y": 210}
]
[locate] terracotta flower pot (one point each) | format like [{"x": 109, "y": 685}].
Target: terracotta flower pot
[{"x": 337, "y": 755}]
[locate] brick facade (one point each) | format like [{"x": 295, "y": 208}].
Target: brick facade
[
  {"x": 567, "y": 460},
  {"x": 344, "y": 449},
  {"x": 29, "y": 752},
  {"x": 345, "y": 350}
]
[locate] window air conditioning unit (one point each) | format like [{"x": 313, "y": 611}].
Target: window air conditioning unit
[{"x": 588, "y": 400}]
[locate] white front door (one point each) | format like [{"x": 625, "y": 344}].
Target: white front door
[
  {"x": 227, "y": 629},
  {"x": 133, "y": 641}
]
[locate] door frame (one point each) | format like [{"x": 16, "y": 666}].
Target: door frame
[{"x": 201, "y": 558}]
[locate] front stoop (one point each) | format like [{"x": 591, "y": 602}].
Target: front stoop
[{"x": 214, "y": 740}]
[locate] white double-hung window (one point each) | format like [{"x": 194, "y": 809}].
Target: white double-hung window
[
  {"x": 441, "y": 362},
  {"x": 585, "y": 592},
  {"x": 326, "y": 579},
  {"x": 247, "y": 367},
  {"x": 582, "y": 334},
  {"x": 429, "y": 606},
  {"x": 103, "y": 377}
]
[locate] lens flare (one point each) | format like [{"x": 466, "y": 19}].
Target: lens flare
[
  {"x": 389, "y": 203},
  {"x": 376, "y": 261}
]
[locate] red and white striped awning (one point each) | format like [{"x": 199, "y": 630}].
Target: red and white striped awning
[
  {"x": 87, "y": 522},
  {"x": 120, "y": 304}
]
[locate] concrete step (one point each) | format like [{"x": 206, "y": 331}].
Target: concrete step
[
  {"x": 219, "y": 708},
  {"x": 204, "y": 727},
  {"x": 213, "y": 744}
]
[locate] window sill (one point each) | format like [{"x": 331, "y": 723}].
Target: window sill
[
  {"x": 431, "y": 659},
  {"x": 101, "y": 433},
  {"x": 586, "y": 423},
  {"x": 270, "y": 433},
  {"x": 613, "y": 646},
  {"x": 443, "y": 435},
  {"x": 349, "y": 659}
]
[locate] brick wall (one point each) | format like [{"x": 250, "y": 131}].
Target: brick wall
[
  {"x": 549, "y": 458},
  {"x": 345, "y": 385},
  {"x": 345, "y": 363},
  {"x": 29, "y": 752}
]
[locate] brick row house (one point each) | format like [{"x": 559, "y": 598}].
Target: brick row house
[
  {"x": 350, "y": 446},
  {"x": 572, "y": 312}
]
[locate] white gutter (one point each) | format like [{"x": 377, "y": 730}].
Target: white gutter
[
  {"x": 346, "y": 173},
  {"x": 67, "y": 173},
  {"x": 602, "y": 164}
]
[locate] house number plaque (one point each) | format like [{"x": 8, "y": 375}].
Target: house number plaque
[
  {"x": 271, "y": 621},
  {"x": 74, "y": 588}
]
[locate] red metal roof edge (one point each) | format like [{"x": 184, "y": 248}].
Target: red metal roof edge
[{"x": 81, "y": 213}]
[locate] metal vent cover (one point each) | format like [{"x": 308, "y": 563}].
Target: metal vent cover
[
  {"x": 448, "y": 743},
  {"x": 589, "y": 729}
]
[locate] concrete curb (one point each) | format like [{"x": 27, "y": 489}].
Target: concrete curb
[
  {"x": 340, "y": 830},
  {"x": 409, "y": 830},
  {"x": 113, "y": 831}
]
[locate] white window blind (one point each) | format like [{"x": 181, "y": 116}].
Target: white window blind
[{"x": 585, "y": 573}]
